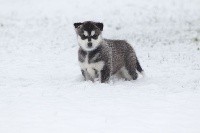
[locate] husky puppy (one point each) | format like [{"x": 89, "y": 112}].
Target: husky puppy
[{"x": 101, "y": 58}]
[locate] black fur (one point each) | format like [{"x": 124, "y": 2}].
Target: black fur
[
  {"x": 93, "y": 53},
  {"x": 100, "y": 26},
  {"x": 139, "y": 68},
  {"x": 89, "y": 27},
  {"x": 105, "y": 74},
  {"x": 76, "y": 25}
]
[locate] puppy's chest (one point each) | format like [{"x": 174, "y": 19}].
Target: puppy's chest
[{"x": 91, "y": 62}]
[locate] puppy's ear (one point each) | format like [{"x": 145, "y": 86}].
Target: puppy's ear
[
  {"x": 100, "y": 26},
  {"x": 76, "y": 25}
]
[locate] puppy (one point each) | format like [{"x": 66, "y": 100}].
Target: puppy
[{"x": 101, "y": 58}]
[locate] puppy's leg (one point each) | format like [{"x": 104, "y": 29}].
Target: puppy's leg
[
  {"x": 86, "y": 75},
  {"x": 125, "y": 74},
  {"x": 83, "y": 73},
  {"x": 130, "y": 65},
  {"x": 104, "y": 74}
]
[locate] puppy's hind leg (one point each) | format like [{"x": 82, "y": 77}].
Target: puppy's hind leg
[{"x": 130, "y": 65}]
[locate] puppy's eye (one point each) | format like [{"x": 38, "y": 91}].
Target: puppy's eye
[
  {"x": 83, "y": 37},
  {"x": 94, "y": 36}
]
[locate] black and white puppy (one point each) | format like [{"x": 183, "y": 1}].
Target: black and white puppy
[{"x": 101, "y": 58}]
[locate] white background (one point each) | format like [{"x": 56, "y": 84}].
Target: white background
[{"x": 41, "y": 87}]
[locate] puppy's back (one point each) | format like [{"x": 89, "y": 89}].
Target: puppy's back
[{"x": 117, "y": 51}]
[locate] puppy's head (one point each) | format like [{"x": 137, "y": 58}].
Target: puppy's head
[{"x": 89, "y": 34}]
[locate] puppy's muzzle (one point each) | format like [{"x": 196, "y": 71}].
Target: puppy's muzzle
[{"x": 89, "y": 44}]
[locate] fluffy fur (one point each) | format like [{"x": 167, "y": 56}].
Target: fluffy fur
[{"x": 101, "y": 58}]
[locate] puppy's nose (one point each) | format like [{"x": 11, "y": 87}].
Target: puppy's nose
[{"x": 89, "y": 44}]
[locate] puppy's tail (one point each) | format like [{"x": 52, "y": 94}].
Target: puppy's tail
[{"x": 139, "y": 68}]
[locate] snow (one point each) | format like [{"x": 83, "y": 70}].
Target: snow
[{"x": 41, "y": 87}]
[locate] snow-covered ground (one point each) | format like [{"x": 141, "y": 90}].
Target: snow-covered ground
[{"x": 41, "y": 87}]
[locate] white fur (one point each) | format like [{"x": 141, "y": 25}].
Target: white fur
[
  {"x": 84, "y": 43},
  {"x": 85, "y": 33},
  {"x": 143, "y": 74},
  {"x": 96, "y": 42},
  {"x": 92, "y": 33},
  {"x": 89, "y": 67},
  {"x": 125, "y": 73}
]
